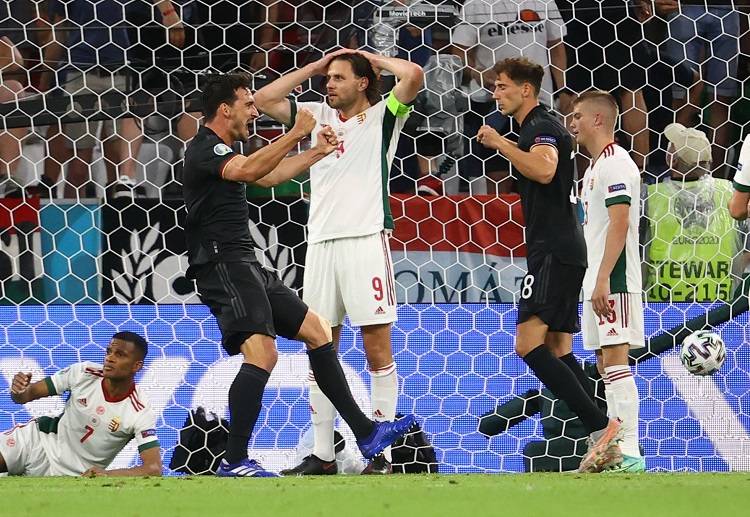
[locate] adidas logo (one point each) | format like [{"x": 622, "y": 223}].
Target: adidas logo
[
  {"x": 378, "y": 414},
  {"x": 83, "y": 402},
  {"x": 612, "y": 333},
  {"x": 380, "y": 311}
]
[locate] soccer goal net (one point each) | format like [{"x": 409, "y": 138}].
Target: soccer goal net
[{"x": 99, "y": 99}]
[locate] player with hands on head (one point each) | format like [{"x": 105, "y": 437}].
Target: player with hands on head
[
  {"x": 251, "y": 304},
  {"x": 104, "y": 412},
  {"x": 556, "y": 251},
  {"x": 348, "y": 268}
]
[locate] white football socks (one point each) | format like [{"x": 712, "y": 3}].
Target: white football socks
[
  {"x": 626, "y": 405},
  {"x": 384, "y": 396}
]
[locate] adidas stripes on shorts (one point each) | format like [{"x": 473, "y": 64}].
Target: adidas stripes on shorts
[
  {"x": 351, "y": 276},
  {"x": 624, "y": 325}
]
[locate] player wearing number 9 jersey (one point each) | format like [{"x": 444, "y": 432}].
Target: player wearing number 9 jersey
[
  {"x": 612, "y": 307},
  {"x": 104, "y": 412},
  {"x": 348, "y": 268},
  {"x": 556, "y": 251}
]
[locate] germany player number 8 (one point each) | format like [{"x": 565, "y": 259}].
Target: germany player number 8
[{"x": 526, "y": 287}]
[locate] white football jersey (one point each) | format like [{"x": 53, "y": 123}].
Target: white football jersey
[
  {"x": 613, "y": 179},
  {"x": 511, "y": 28},
  {"x": 742, "y": 177},
  {"x": 94, "y": 427},
  {"x": 349, "y": 195}
]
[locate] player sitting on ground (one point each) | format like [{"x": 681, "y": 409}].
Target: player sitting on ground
[
  {"x": 348, "y": 269},
  {"x": 612, "y": 307},
  {"x": 105, "y": 410},
  {"x": 556, "y": 257}
]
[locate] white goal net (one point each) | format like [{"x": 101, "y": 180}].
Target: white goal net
[{"x": 98, "y": 100}]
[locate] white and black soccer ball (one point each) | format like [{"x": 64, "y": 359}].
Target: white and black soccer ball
[{"x": 703, "y": 353}]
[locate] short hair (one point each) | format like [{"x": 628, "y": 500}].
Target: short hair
[
  {"x": 522, "y": 70},
  {"x": 602, "y": 98},
  {"x": 138, "y": 342},
  {"x": 221, "y": 89},
  {"x": 362, "y": 67}
]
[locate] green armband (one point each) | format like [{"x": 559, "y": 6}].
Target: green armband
[
  {"x": 396, "y": 107},
  {"x": 50, "y": 386}
]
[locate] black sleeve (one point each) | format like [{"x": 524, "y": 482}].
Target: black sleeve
[
  {"x": 213, "y": 161},
  {"x": 546, "y": 133}
]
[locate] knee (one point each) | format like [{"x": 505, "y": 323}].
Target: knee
[
  {"x": 260, "y": 351},
  {"x": 522, "y": 348},
  {"x": 315, "y": 330}
]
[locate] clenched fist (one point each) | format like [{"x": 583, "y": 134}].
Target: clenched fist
[
  {"x": 304, "y": 123},
  {"x": 327, "y": 141},
  {"x": 18, "y": 387}
]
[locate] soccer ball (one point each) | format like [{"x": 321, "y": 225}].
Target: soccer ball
[{"x": 703, "y": 353}]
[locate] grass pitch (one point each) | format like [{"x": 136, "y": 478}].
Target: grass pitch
[{"x": 652, "y": 495}]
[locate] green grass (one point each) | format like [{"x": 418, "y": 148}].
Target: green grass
[{"x": 525, "y": 495}]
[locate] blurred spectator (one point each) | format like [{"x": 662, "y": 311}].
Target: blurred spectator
[
  {"x": 96, "y": 64},
  {"x": 606, "y": 52},
  {"x": 707, "y": 35},
  {"x": 11, "y": 90},
  {"x": 380, "y": 26},
  {"x": 489, "y": 31},
  {"x": 691, "y": 242}
]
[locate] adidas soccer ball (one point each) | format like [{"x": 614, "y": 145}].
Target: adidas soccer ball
[{"x": 703, "y": 353}]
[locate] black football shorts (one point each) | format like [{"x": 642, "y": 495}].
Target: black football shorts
[
  {"x": 551, "y": 290},
  {"x": 248, "y": 299}
]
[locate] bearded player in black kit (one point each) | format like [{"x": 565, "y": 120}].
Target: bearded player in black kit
[
  {"x": 250, "y": 303},
  {"x": 556, "y": 251}
]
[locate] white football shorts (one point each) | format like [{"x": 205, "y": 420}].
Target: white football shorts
[
  {"x": 23, "y": 452},
  {"x": 624, "y": 325},
  {"x": 353, "y": 276}
]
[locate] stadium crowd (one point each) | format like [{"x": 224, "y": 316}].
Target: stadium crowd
[{"x": 666, "y": 61}]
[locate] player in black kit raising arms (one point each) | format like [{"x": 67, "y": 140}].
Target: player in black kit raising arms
[
  {"x": 556, "y": 251},
  {"x": 250, "y": 303}
]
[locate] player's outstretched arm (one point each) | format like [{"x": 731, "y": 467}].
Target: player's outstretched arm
[
  {"x": 294, "y": 166},
  {"x": 250, "y": 169},
  {"x": 538, "y": 164},
  {"x": 23, "y": 391},
  {"x": 151, "y": 465},
  {"x": 272, "y": 99},
  {"x": 410, "y": 75}
]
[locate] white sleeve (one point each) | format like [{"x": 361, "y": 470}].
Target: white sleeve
[
  {"x": 315, "y": 107},
  {"x": 145, "y": 430},
  {"x": 617, "y": 184},
  {"x": 67, "y": 378},
  {"x": 742, "y": 177},
  {"x": 555, "y": 25}
]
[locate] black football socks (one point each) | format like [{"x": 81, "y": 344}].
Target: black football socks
[
  {"x": 563, "y": 383},
  {"x": 571, "y": 362},
  {"x": 245, "y": 401},
  {"x": 329, "y": 375}
]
